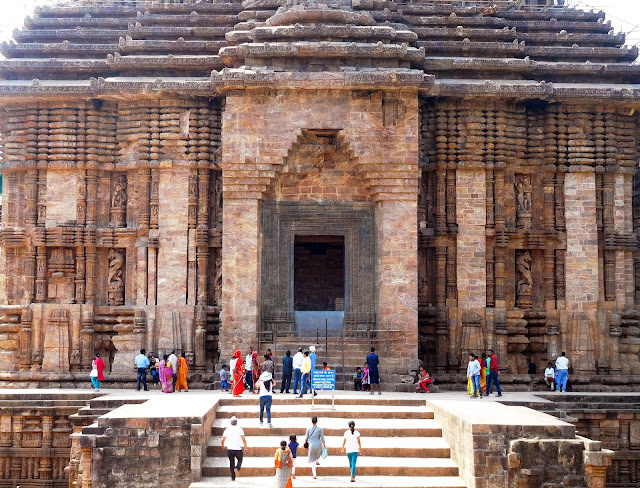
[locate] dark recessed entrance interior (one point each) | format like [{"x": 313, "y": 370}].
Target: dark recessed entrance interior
[{"x": 318, "y": 273}]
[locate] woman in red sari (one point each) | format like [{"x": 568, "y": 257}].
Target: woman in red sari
[{"x": 237, "y": 371}]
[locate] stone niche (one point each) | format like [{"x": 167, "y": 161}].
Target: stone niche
[{"x": 281, "y": 223}]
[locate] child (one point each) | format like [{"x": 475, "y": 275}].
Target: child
[
  {"x": 324, "y": 366},
  {"x": 224, "y": 378},
  {"x": 293, "y": 445},
  {"x": 357, "y": 379},
  {"x": 366, "y": 381}
]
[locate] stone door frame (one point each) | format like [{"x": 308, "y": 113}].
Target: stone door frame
[{"x": 281, "y": 222}]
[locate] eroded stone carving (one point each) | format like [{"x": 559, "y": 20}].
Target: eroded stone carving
[
  {"x": 115, "y": 280},
  {"x": 119, "y": 201},
  {"x": 523, "y": 201}
]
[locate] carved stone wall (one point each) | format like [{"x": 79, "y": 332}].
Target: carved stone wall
[
  {"x": 546, "y": 188},
  {"x": 103, "y": 200}
]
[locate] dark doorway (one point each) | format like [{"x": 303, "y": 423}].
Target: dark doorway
[{"x": 319, "y": 273}]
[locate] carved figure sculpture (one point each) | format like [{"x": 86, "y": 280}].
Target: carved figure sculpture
[
  {"x": 523, "y": 265},
  {"x": 119, "y": 201},
  {"x": 523, "y": 201},
  {"x": 115, "y": 280}
]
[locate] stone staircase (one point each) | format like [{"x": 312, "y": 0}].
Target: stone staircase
[{"x": 402, "y": 444}]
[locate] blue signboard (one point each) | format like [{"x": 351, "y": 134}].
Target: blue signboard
[{"x": 323, "y": 379}]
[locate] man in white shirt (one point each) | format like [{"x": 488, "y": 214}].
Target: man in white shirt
[
  {"x": 550, "y": 376},
  {"x": 562, "y": 363},
  {"x": 233, "y": 439},
  {"x": 473, "y": 372},
  {"x": 248, "y": 376},
  {"x": 174, "y": 365},
  {"x": 352, "y": 447},
  {"x": 297, "y": 373}
]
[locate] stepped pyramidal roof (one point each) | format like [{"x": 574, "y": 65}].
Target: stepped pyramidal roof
[{"x": 445, "y": 47}]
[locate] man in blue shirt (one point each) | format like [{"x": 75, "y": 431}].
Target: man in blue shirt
[
  {"x": 142, "y": 363},
  {"x": 287, "y": 372},
  {"x": 374, "y": 375}
]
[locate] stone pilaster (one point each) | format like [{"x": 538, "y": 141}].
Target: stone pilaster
[
  {"x": 397, "y": 279},
  {"x": 581, "y": 268},
  {"x": 471, "y": 218},
  {"x": 240, "y": 275}
]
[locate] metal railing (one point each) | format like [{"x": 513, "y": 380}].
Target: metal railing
[{"x": 380, "y": 337}]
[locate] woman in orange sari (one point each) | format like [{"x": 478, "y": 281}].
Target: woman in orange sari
[
  {"x": 183, "y": 369},
  {"x": 483, "y": 372},
  {"x": 237, "y": 371}
]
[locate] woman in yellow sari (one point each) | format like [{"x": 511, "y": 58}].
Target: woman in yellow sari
[{"x": 183, "y": 370}]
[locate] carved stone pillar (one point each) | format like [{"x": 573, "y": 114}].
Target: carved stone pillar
[
  {"x": 87, "y": 338},
  {"x": 441, "y": 191},
  {"x": 30, "y": 272},
  {"x": 80, "y": 275},
  {"x": 25, "y": 339},
  {"x": 31, "y": 214},
  {"x": 86, "y": 467},
  {"x": 92, "y": 197},
  {"x": 154, "y": 198},
  {"x": 441, "y": 276},
  {"x": 549, "y": 278},
  {"x": 42, "y": 197},
  {"x": 200, "y": 338},
  {"x": 549, "y": 201},
  {"x": 41, "y": 274},
  {"x": 143, "y": 180}
]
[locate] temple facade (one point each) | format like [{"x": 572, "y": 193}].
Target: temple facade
[{"x": 433, "y": 178}]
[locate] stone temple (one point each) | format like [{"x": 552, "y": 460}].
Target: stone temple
[{"x": 431, "y": 177}]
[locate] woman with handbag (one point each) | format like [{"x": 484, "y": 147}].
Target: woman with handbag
[
  {"x": 283, "y": 462},
  {"x": 314, "y": 442},
  {"x": 97, "y": 367}
]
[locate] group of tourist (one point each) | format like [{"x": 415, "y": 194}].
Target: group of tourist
[
  {"x": 285, "y": 457},
  {"x": 482, "y": 374},
  {"x": 248, "y": 374},
  {"x": 556, "y": 374},
  {"x": 368, "y": 377},
  {"x": 170, "y": 372}
]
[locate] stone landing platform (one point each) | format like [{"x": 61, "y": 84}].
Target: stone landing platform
[{"x": 129, "y": 439}]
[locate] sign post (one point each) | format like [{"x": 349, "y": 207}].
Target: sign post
[{"x": 323, "y": 379}]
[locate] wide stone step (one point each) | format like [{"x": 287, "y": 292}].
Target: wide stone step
[
  {"x": 338, "y": 465},
  {"x": 284, "y": 426},
  {"x": 346, "y": 411},
  {"x": 324, "y": 399},
  {"x": 93, "y": 412},
  {"x": 407, "y": 447},
  {"x": 335, "y": 482}
]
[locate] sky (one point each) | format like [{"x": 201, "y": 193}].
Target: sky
[{"x": 624, "y": 14}]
